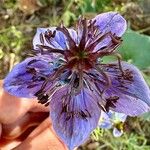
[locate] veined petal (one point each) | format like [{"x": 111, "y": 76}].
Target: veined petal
[
  {"x": 59, "y": 41},
  {"x": 132, "y": 91},
  {"x": 27, "y": 77},
  {"x": 111, "y": 21},
  {"x": 129, "y": 105},
  {"x": 74, "y": 117},
  {"x": 73, "y": 34}
]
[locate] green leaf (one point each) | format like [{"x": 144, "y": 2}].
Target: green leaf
[
  {"x": 146, "y": 116},
  {"x": 147, "y": 78},
  {"x": 67, "y": 16},
  {"x": 1, "y": 53},
  {"x": 136, "y": 49}
]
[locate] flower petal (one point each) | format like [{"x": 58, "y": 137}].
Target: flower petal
[
  {"x": 129, "y": 105},
  {"x": 111, "y": 21},
  {"x": 131, "y": 91},
  {"x": 110, "y": 24},
  {"x": 27, "y": 77},
  {"x": 58, "y": 42},
  {"x": 74, "y": 117},
  {"x": 119, "y": 117},
  {"x": 117, "y": 133},
  {"x": 105, "y": 121}
]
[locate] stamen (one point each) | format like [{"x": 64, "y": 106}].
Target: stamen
[
  {"x": 110, "y": 102},
  {"x": 93, "y": 45},
  {"x": 32, "y": 86},
  {"x": 128, "y": 75},
  {"x": 83, "y": 115},
  {"x": 71, "y": 42},
  {"x": 53, "y": 77},
  {"x": 80, "y": 85},
  {"x": 91, "y": 25},
  {"x": 51, "y": 50},
  {"x": 78, "y": 114},
  {"x": 89, "y": 115},
  {"x": 101, "y": 107},
  {"x": 108, "y": 81},
  {"x": 87, "y": 84},
  {"x": 41, "y": 38},
  {"x": 64, "y": 108},
  {"x": 119, "y": 62},
  {"x": 32, "y": 61},
  {"x": 46, "y": 104},
  {"x": 106, "y": 51},
  {"x": 31, "y": 70},
  {"x": 84, "y": 34},
  {"x": 115, "y": 39},
  {"x": 48, "y": 35},
  {"x": 43, "y": 99}
]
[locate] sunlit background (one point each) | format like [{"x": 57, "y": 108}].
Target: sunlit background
[{"x": 20, "y": 18}]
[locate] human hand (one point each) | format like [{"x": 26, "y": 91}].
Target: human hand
[{"x": 25, "y": 124}]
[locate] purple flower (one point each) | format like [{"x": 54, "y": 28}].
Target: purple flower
[
  {"x": 113, "y": 120},
  {"x": 67, "y": 72}
]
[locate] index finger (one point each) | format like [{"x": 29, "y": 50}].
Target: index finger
[{"x": 13, "y": 108}]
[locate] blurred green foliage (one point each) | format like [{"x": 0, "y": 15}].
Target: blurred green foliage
[
  {"x": 136, "y": 49},
  {"x": 18, "y": 26}
]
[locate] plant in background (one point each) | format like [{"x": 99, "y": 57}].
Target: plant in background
[
  {"x": 67, "y": 73},
  {"x": 113, "y": 120}
]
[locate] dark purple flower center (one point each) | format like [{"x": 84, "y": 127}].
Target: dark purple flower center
[{"x": 80, "y": 56}]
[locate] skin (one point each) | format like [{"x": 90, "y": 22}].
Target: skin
[{"x": 25, "y": 124}]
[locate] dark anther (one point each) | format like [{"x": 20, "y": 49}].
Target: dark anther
[
  {"x": 38, "y": 78},
  {"x": 43, "y": 98},
  {"x": 46, "y": 104},
  {"x": 53, "y": 34},
  {"x": 49, "y": 34},
  {"x": 89, "y": 115},
  {"x": 101, "y": 107},
  {"x": 32, "y": 86},
  {"x": 78, "y": 114},
  {"x": 41, "y": 38},
  {"x": 70, "y": 115},
  {"x": 41, "y": 78},
  {"x": 91, "y": 24},
  {"x": 76, "y": 83},
  {"x": 64, "y": 108},
  {"x": 115, "y": 39},
  {"x": 128, "y": 75},
  {"x": 83, "y": 115},
  {"x": 38, "y": 93},
  {"x": 110, "y": 102},
  {"x": 32, "y": 61},
  {"x": 31, "y": 70}
]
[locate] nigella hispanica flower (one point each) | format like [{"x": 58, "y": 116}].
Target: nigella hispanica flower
[
  {"x": 113, "y": 120},
  {"x": 68, "y": 74}
]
